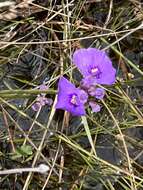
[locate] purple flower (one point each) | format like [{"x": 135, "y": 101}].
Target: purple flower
[
  {"x": 97, "y": 92},
  {"x": 95, "y": 107},
  {"x": 83, "y": 96},
  {"x": 70, "y": 98},
  {"x": 41, "y": 100},
  {"x": 95, "y": 64},
  {"x": 36, "y": 106},
  {"x": 87, "y": 82}
]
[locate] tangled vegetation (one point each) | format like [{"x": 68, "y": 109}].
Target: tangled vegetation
[{"x": 45, "y": 148}]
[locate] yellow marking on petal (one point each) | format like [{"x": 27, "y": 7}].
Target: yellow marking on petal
[
  {"x": 73, "y": 100},
  {"x": 94, "y": 70}
]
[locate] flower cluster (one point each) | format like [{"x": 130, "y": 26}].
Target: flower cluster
[
  {"x": 41, "y": 99},
  {"x": 96, "y": 69}
]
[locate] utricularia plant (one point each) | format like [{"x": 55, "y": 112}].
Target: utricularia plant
[{"x": 96, "y": 69}]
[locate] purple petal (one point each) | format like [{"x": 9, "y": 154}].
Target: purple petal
[
  {"x": 95, "y": 63},
  {"x": 36, "y": 106},
  {"x": 97, "y": 92},
  {"x": 66, "y": 85},
  {"x": 41, "y": 100},
  {"x": 107, "y": 76},
  {"x": 67, "y": 95},
  {"x": 95, "y": 107},
  {"x": 64, "y": 89},
  {"x": 83, "y": 96},
  {"x": 49, "y": 101},
  {"x": 77, "y": 111},
  {"x": 87, "y": 82},
  {"x": 84, "y": 59},
  {"x": 74, "y": 110},
  {"x": 91, "y": 90}
]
